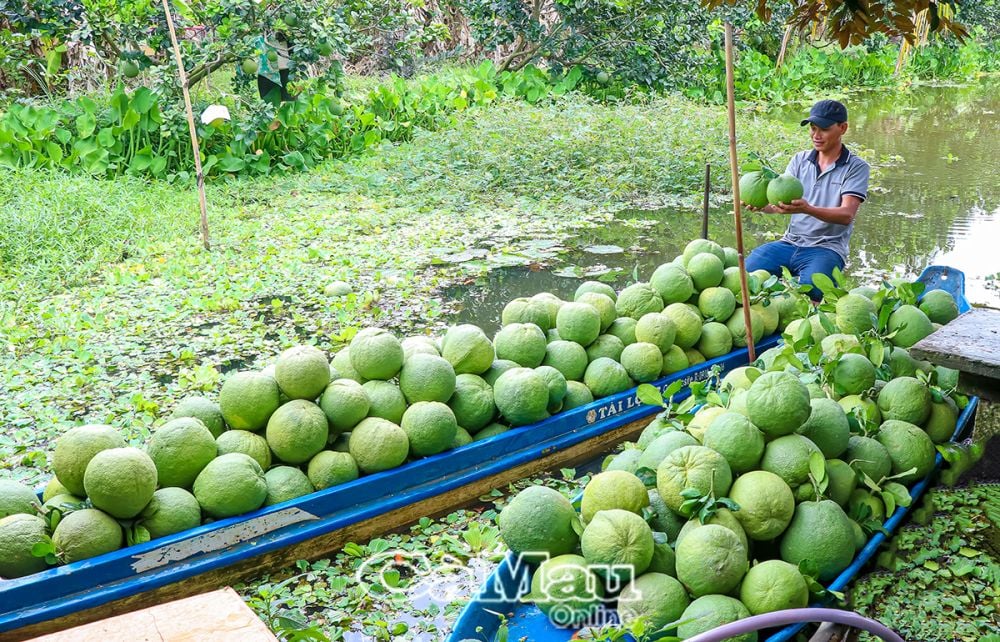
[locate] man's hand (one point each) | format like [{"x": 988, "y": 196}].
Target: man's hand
[
  {"x": 767, "y": 209},
  {"x": 798, "y": 206}
]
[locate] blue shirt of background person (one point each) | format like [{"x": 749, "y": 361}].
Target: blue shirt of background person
[{"x": 835, "y": 183}]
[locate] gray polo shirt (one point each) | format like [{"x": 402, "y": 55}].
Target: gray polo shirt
[{"x": 847, "y": 176}]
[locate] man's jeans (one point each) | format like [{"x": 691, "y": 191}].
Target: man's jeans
[{"x": 800, "y": 261}]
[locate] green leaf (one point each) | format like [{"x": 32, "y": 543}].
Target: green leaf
[
  {"x": 817, "y": 466},
  {"x": 649, "y": 395}
]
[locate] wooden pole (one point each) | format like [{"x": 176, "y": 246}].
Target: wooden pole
[
  {"x": 191, "y": 126},
  {"x": 734, "y": 167},
  {"x": 704, "y": 202}
]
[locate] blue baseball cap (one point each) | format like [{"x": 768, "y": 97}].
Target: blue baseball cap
[{"x": 826, "y": 113}]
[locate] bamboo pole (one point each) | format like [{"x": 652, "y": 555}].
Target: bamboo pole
[
  {"x": 704, "y": 202},
  {"x": 734, "y": 167},
  {"x": 191, "y": 126}
]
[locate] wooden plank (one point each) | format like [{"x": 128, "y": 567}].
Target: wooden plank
[
  {"x": 329, "y": 543},
  {"x": 970, "y": 343},
  {"x": 220, "y": 616}
]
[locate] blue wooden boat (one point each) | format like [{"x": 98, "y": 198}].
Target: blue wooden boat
[{"x": 320, "y": 523}]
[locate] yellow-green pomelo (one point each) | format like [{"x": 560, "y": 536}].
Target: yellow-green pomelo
[
  {"x": 613, "y": 489},
  {"x": 701, "y": 246},
  {"x": 418, "y": 345},
  {"x": 941, "y": 422},
  {"x": 638, "y": 299},
  {"x": 672, "y": 283},
  {"x": 624, "y": 329},
  {"x": 522, "y": 396},
  {"x": 568, "y": 357},
  {"x": 663, "y": 444},
  {"x": 799, "y": 330},
  {"x": 376, "y": 354},
  {"x": 867, "y": 409},
  {"x": 842, "y": 480},
  {"x": 868, "y": 456},
  {"x": 740, "y": 378},
  {"x": 642, "y": 361},
  {"x": 539, "y": 520},
  {"x": 577, "y": 394},
  {"x": 657, "y": 598},
  {"x": 657, "y": 329},
  {"x": 248, "y": 399},
  {"x": 618, "y": 544},
  {"x": 171, "y": 510},
  {"x": 247, "y": 443},
  {"x": 597, "y": 287},
  {"x": 855, "y": 314},
  {"x": 467, "y": 349},
  {"x": 778, "y": 403},
  {"x": 735, "y": 438},
  {"x": 472, "y": 402},
  {"x": 706, "y": 270},
  {"x": 731, "y": 281},
  {"x": 204, "y": 410},
  {"x": 341, "y": 363},
  {"x": 86, "y": 533},
  {"x": 838, "y": 343},
  {"x": 18, "y": 535},
  {"x": 330, "y": 468},
  {"x": 788, "y": 458},
  {"x": 674, "y": 360},
  {"x": 385, "y": 400},
  {"x": 578, "y": 322},
  {"x": 297, "y": 431},
  {"x": 769, "y": 317},
  {"x": 336, "y": 289},
  {"x": 761, "y": 274},
  {"x": 819, "y": 331},
  {"x": 76, "y": 448},
  {"x": 120, "y": 481},
  {"x": 766, "y": 504},
  {"x": 605, "y": 377},
  {"x": 736, "y": 323},
  {"x": 526, "y": 310},
  {"x": 717, "y": 303},
  {"x": 774, "y": 585},
  {"x": 909, "y": 448},
  {"x": 715, "y": 340},
  {"x": 344, "y": 403},
  {"x": 285, "y": 483},
  {"x": 853, "y": 374},
  {"x": 378, "y": 444},
  {"x": 702, "y": 419},
  {"x": 16, "y": 498},
  {"x": 710, "y": 560},
  {"x": 910, "y": 325},
  {"x": 430, "y": 427},
  {"x": 52, "y": 488},
  {"x": 604, "y": 304},
  {"x": 695, "y": 467},
  {"x": 606, "y": 345},
  {"x": 687, "y": 324},
  {"x": 627, "y": 460},
  {"x": 230, "y": 485},
  {"x": 428, "y": 377},
  {"x": 566, "y": 590},
  {"x": 722, "y": 517},
  {"x": 180, "y": 448},
  {"x": 522, "y": 343},
  {"x": 302, "y": 372},
  {"x": 906, "y": 399},
  {"x": 712, "y": 611},
  {"x": 939, "y": 306},
  {"x": 822, "y": 533},
  {"x": 827, "y": 427}
]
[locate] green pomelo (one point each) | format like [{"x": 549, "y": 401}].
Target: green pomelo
[
  {"x": 710, "y": 560},
  {"x": 662, "y": 445},
  {"x": 467, "y": 349},
  {"x": 418, "y": 345},
  {"x": 715, "y": 340},
  {"x": 120, "y": 481},
  {"x": 331, "y": 468},
  {"x": 378, "y": 444},
  {"x": 525, "y": 310},
  {"x": 605, "y": 377},
  {"x": 838, "y": 343},
  {"x": 656, "y": 598},
  {"x": 663, "y": 520},
  {"x": 695, "y": 467},
  {"x": 595, "y": 286},
  {"x": 740, "y": 378},
  {"x": 472, "y": 402},
  {"x": 556, "y": 383},
  {"x": 769, "y": 316},
  {"x": 522, "y": 396},
  {"x": 827, "y": 427},
  {"x": 861, "y": 498},
  {"x": 766, "y": 504},
  {"x": 868, "y": 456},
  {"x": 717, "y": 303},
  {"x": 910, "y": 325},
  {"x": 297, "y": 431},
  {"x": 866, "y": 409},
  {"x": 627, "y": 460},
  {"x": 785, "y": 188},
  {"x": 428, "y": 377},
  {"x": 86, "y": 533},
  {"x": 842, "y": 480},
  {"x": 499, "y": 367},
  {"x": 819, "y": 332},
  {"x": 16, "y": 498},
  {"x": 76, "y": 448},
  {"x": 864, "y": 290},
  {"x": 179, "y": 449},
  {"x": 822, "y": 533},
  {"x": 712, "y": 611},
  {"x": 302, "y": 372},
  {"x": 462, "y": 438},
  {"x": 430, "y": 427},
  {"x": 19, "y": 533},
  {"x": 642, "y": 361},
  {"x": 577, "y": 394},
  {"x": 853, "y": 374},
  {"x": 385, "y": 400},
  {"x": 345, "y": 403},
  {"x": 522, "y": 343},
  {"x": 939, "y": 306},
  {"x": 613, "y": 489},
  {"x": 947, "y": 378},
  {"x": 52, "y": 488},
  {"x": 723, "y": 517},
  {"x": 604, "y": 304},
  {"x": 774, "y": 585},
  {"x": 753, "y": 189},
  {"x": 624, "y": 329},
  {"x": 909, "y": 448},
  {"x": 202, "y": 409},
  {"x": 606, "y": 345},
  {"x": 376, "y": 354},
  {"x": 245, "y": 442},
  {"x": 637, "y": 300},
  {"x": 336, "y": 289},
  {"x": 578, "y": 322},
  {"x": 171, "y": 510},
  {"x": 672, "y": 283},
  {"x": 674, "y": 360},
  {"x": 735, "y": 438},
  {"x": 702, "y": 419},
  {"x": 788, "y": 458},
  {"x": 701, "y": 246},
  {"x": 737, "y": 326},
  {"x": 568, "y": 357},
  {"x": 539, "y": 520},
  {"x": 618, "y": 544},
  {"x": 230, "y": 485},
  {"x": 942, "y": 420},
  {"x": 906, "y": 399},
  {"x": 341, "y": 363},
  {"x": 657, "y": 329},
  {"x": 706, "y": 271},
  {"x": 730, "y": 256},
  {"x": 248, "y": 399},
  {"x": 566, "y": 590},
  {"x": 687, "y": 324},
  {"x": 285, "y": 483},
  {"x": 778, "y": 403},
  {"x": 855, "y": 314},
  {"x": 791, "y": 308},
  {"x": 731, "y": 282},
  {"x": 490, "y": 431}
]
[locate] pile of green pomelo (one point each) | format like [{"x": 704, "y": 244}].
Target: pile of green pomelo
[
  {"x": 758, "y": 495},
  {"x": 306, "y": 423}
]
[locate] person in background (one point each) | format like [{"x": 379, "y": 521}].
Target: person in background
[{"x": 272, "y": 68}]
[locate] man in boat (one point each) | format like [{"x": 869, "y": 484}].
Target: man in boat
[{"x": 835, "y": 183}]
